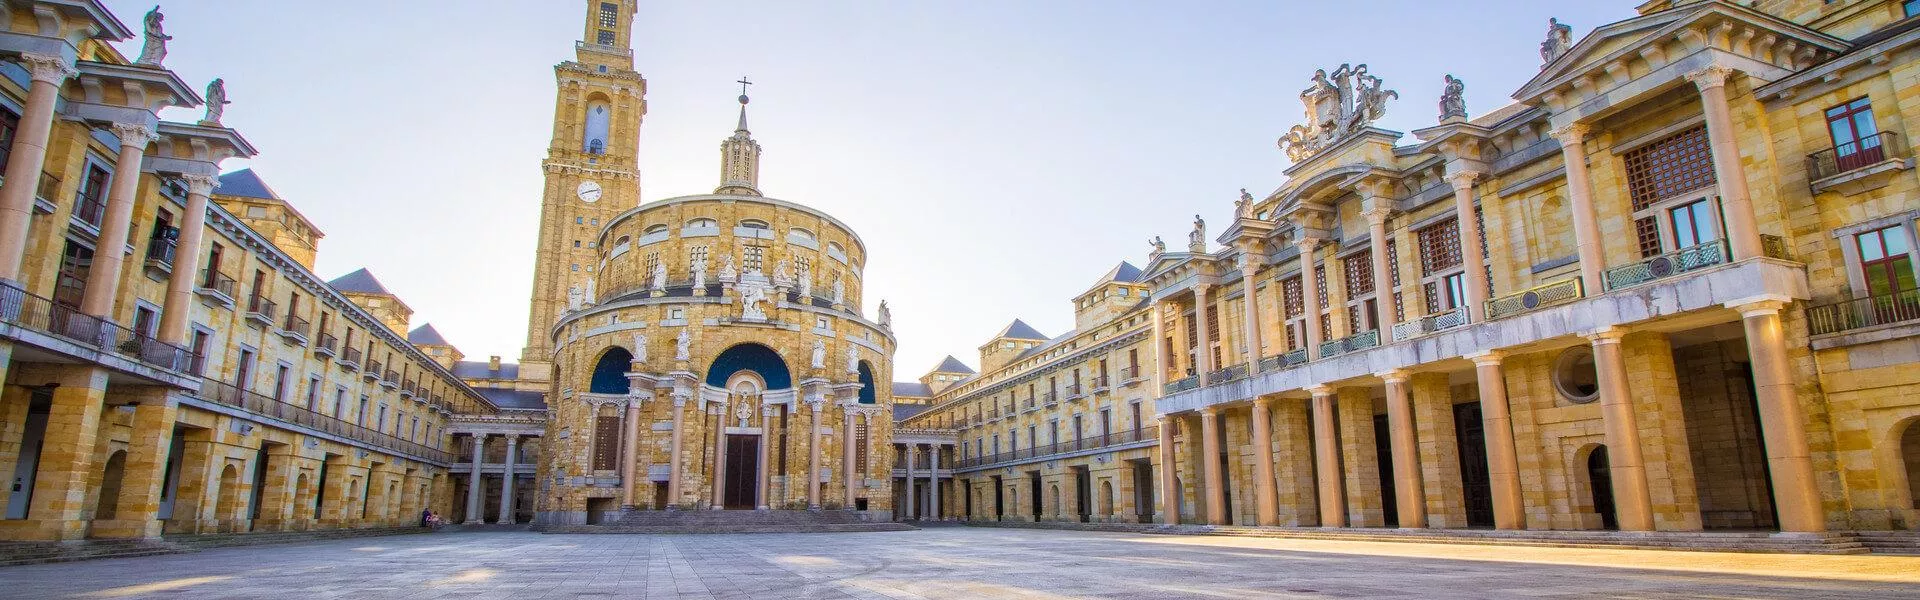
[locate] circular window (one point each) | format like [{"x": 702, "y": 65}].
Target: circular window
[{"x": 1575, "y": 377}]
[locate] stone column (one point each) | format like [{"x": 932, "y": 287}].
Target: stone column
[
  {"x": 1203, "y": 355},
  {"x": 1743, "y": 232},
  {"x": 719, "y": 467},
  {"x": 28, "y": 156},
  {"x": 1382, "y": 271},
  {"x": 136, "y": 514},
  {"x": 908, "y": 449},
  {"x": 1210, "y": 466},
  {"x": 186, "y": 261},
  {"x": 1310, "y": 294},
  {"x": 1409, "y": 494},
  {"x": 473, "y": 481},
  {"x": 1326, "y": 454},
  {"x": 1169, "y": 474},
  {"x": 1158, "y": 378},
  {"x": 1503, "y": 463},
  {"x": 933, "y": 481},
  {"x": 506, "y": 481},
  {"x": 1263, "y": 473},
  {"x": 1470, "y": 242},
  {"x": 674, "y": 451},
  {"x": 1633, "y": 505},
  {"x": 854, "y": 480},
  {"x": 1782, "y": 421},
  {"x": 813, "y": 457},
  {"x": 766, "y": 443},
  {"x": 1250, "y": 308},
  {"x": 103, "y": 278},
  {"x": 630, "y": 472},
  {"x": 1586, "y": 224}
]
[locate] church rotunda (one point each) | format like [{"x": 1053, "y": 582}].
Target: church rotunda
[{"x": 717, "y": 358}]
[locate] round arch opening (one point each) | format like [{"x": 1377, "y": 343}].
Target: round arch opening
[
  {"x": 610, "y": 373},
  {"x": 763, "y": 361},
  {"x": 868, "y": 393}
]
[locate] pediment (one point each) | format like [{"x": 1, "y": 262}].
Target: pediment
[{"x": 1789, "y": 43}]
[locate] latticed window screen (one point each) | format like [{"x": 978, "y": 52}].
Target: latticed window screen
[
  {"x": 1213, "y": 323},
  {"x": 1293, "y": 337},
  {"x": 609, "y": 14},
  {"x": 860, "y": 447},
  {"x": 1399, "y": 308},
  {"x": 1393, "y": 262},
  {"x": 1290, "y": 297},
  {"x": 1320, "y": 277},
  {"x": 606, "y": 443},
  {"x": 1440, "y": 247},
  {"x": 1678, "y": 164},
  {"x": 751, "y": 258},
  {"x": 696, "y": 256},
  {"x": 1326, "y": 327},
  {"x": 1432, "y": 292},
  {"x": 1647, "y": 229},
  {"x": 1359, "y": 269},
  {"x": 652, "y": 262},
  {"x": 1353, "y": 320},
  {"x": 1193, "y": 334}
]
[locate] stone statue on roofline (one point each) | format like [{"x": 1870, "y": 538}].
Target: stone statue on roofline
[
  {"x": 660, "y": 276},
  {"x": 1243, "y": 208},
  {"x": 1453, "y": 101},
  {"x": 886, "y": 316},
  {"x": 1338, "y": 105},
  {"x": 155, "y": 48},
  {"x": 1197, "y": 240},
  {"x": 216, "y": 102},
  {"x": 700, "y": 272},
  {"x": 1159, "y": 246},
  {"x": 1559, "y": 41},
  {"x": 805, "y": 275}
]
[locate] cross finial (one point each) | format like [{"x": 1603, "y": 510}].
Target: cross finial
[{"x": 743, "y": 88}]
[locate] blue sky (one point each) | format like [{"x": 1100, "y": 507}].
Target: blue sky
[{"x": 996, "y": 155}]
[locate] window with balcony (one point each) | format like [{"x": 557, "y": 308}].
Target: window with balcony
[
  {"x": 1856, "y": 140},
  {"x": 1443, "y": 281},
  {"x": 1673, "y": 166},
  {"x": 198, "y": 345},
  {"x": 1886, "y": 263},
  {"x": 90, "y": 202},
  {"x": 243, "y": 371},
  {"x": 71, "y": 287}
]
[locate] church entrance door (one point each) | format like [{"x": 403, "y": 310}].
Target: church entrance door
[{"x": 743, "y": 471}]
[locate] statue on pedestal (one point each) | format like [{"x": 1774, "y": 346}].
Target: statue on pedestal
[
  {"x": 1453, "y": 101},
  {"x": 155, "y": 48},
  {"x": 216, "y": 102},
  {"x": 819, "y": 354},
  {"x": 1197, "y": 240},
  {"x": 681, "y": 347},
  {"x": 639, "y": 347},
  {"x": 1559, "y": 41}
]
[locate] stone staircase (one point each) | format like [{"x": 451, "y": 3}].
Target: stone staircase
[
  {"x": 1890, "y": 542},
  {"x": 1700, "y": 541},
  {"x": 732, "y": 521},
  {"x": 27, "y": 553}
]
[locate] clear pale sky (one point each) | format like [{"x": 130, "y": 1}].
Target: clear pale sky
[{"x": 996, "y": 155}]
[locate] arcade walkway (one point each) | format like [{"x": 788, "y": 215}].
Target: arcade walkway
[{"x": 951, "y": 562}]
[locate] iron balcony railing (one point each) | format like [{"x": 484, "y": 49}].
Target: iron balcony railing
[
  {"x": 1535, "y": 298},
  {"x": 1446, "y": 319},
  {"x": 1049, "y": 398},
  {"x": 297, "y": 326},
  {"x": 1857, "y": 154},
  {"x": 1860, "y": 313},
  {"x": 1667, "y": 265},
  {"x": 1099, "y": 382},
  {"x": 1352, "y": 343},
  {"x": 160, "y": 250},
  {"x": 1183, "y": 384},
  {"x": 218, "y": 282},
  {"x": 1139, "y": 434},
  {"x": 350, "y": 356},
  {"x": 1231, "y": 373},
  {"x": 1075, "y": 391},
  {"x": 327, "y": 345},
  {"x": 28, "y": 311},
  {"x": 266, "y": 406},
  {"x": 372, "y": 370},
  {"x": 1281, "y": 361}
]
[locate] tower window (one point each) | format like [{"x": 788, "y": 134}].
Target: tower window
[
  {"x": 606, "y": 38},
  {"x": 609, "y": 14},
  {"x": 599, "y": 121}
]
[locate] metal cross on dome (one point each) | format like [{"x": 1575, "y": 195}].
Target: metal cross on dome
[{"x": 743, "y": 88}]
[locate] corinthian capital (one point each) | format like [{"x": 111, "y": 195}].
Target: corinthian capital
[
  {"x": 49, "y": 68},
  {"x": 133, "y": 135},
  {"x": 1463, "y": 180},
  {"x": 199, "y": 185},
  {"x": 1711, "y": 76},
  {"x": 1573, "y": 133}
]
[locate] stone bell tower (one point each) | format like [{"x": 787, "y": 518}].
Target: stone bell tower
[{"x": 591, "y": 170}]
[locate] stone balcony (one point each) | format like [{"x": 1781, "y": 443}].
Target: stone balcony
[{"x": 1658, "y": 300}]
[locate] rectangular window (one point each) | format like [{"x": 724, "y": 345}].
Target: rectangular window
[
  {"x": 752, "y": 257},
  {"x": 1439, "y": 247},
  {"x": 605, "y": 38},
  {"x": 71, "y": 287},
  {"x": 1456, "y": 290},
  {"x": 90, "y": 202},
  {"x": 213, "y": 266},
  {"x": 1693, "y": 224},
  {"x": 1675, "y": 165},
  {"x": 1359, "y": 268},
  {"x": 360, "y": 418},
  {"x": 380, "y": 419},
  {"x": 1647, "y": 230},
  {"x": 200, "y": 341},
  {"x": 313, "y": 393},
  {"x": 1885, "y": 261},
  {"x": 145, "y": 321},
  {"x": 281, "y": 385},
  {"x": 9, "y": 125},
  {"x": 243, "y": 373},
  {"x": 1856, "y": 142},
  {"x": 609, "y": 15},
  {"x": 340, "y": 403}
]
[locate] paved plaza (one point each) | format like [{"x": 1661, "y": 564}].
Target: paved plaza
[{"x": 950, "y": 562}]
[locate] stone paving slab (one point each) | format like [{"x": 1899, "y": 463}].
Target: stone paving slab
[{"x": 950, "y": 563}]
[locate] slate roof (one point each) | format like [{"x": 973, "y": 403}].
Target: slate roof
[
  {"x": 1124, "y": 272},
  {"x": 426, "y": 335},
  {"x": 244, "y": 183},
  {"x": 1020, "y": 330},
  {"x": 953, "y": 365},
  {"x": 902, "y": 412},
  {"x": 361, "y": 281},
  {"x": 507, "y": 398},
  {"x": 912, "y": 389},
  {"x": 475, "y": 369}
]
